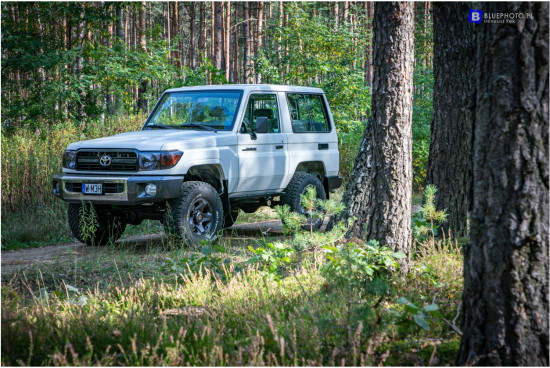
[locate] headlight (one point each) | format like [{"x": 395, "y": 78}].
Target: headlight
[
  {"x": 158, "y": 160},
  {"x": 69, "y": 159}
]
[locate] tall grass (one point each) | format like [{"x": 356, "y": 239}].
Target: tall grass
[
  {"x": 130, "y": 310},
  {"x": 30, "y": 158}
]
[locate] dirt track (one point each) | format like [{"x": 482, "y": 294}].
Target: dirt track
[{"x": 12, "y": 260}]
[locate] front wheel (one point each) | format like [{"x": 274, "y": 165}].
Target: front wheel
[
  {"x": 196, "y": 214},
  {"x": 296, "y": 188},
  {"x": 93, "y": 227}
]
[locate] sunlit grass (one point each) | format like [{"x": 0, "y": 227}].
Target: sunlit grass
[{"x": 138, "y": 310}]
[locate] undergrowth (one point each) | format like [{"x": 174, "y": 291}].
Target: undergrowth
[{"x": 307, "y": 298}]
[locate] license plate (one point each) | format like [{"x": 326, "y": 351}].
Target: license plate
[{"x": 92, "y": 189}]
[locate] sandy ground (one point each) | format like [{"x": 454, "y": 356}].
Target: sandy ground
[{"x": 13, "y": 260}]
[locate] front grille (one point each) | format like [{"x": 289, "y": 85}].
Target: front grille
[
  {"x": 120, "y": 160},
  {"x": 107, "y": 187}
]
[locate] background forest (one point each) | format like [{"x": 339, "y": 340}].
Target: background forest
[{"x": 72, "y": 71}]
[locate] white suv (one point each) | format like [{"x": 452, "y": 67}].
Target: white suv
[{"x": 204, "y": 153}]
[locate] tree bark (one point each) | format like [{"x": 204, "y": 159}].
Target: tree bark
[
  {"x": 227, "y": 40},
  {"x": 174, "y": 32},
  {"x": 379, "y": 190},
  {"x": 505, "y": 296},
  {"x": 247, "y": 48},
  {"x": 218, "y": 19},
  {"x": 202, "y": 31},
  {"x": 192, "y": 54},
  {"x": 368, "y": 60},
  {"x": 142, "y": 103},
  {"x": 450, "y": 158},
  {"x": 259, "y": 43}
]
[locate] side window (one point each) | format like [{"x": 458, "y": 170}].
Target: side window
[
  {"x": 261, "y": 105},
  {"x": 308, "y": 113}
]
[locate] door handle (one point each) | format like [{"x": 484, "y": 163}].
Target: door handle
[
  {"x": 279, "y": 147},
  {"x": 249, "y": 149}
]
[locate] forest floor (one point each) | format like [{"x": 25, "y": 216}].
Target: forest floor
[{"x": 15, "y": 260}]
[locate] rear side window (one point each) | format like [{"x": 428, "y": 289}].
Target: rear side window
[{"x": 308, "y": 113}]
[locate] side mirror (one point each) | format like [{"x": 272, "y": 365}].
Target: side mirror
[{"x": 261, "y": 124}]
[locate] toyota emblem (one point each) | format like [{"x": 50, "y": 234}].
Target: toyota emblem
[{"x": 105, "y": 160}]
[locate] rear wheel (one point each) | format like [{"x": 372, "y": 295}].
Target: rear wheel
[
  {"x": 298, "y": 186},
  {"x": 92, "y": 226},
  {"x": 196, "y": 214}
]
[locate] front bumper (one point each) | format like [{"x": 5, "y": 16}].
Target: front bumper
[{"x": 116, "y": 189}]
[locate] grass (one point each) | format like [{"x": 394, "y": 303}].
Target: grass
[{"x": 155, "y": 303}]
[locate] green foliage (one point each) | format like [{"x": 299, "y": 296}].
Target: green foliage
[
  {"x": 427, "y": 220},
  {"x": 88, "y": 220},
  {"x": 272, "y": 259},
  {"x": 208, "y": 260},
  {"x": 292, "y": 221},
  {"x": 410, "y": 316},
  {"x": 356, "y": 265}
]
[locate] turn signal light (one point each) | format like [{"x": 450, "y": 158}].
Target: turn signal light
[{"x": 170, "y": 159}]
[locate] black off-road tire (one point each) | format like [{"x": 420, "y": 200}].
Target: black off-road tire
[
  {"x": 196, "y": 214},
  {"x": 295, "y": 188},
  {"x": 108, "y": 228}
]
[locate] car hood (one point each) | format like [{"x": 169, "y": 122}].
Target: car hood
[{"x": 154, "y": 140}]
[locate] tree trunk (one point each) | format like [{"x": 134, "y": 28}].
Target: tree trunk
[
  {"x": 336, "y": 13},
  {"x": 142, "y": 103},
  {"x": 202, "y": 31},
  {"x": 259, "y": 44},
  {"x": 235, "y": 44},
  {"x": 450, "y": 159},
  {"x": 218, "y": 21},
  {"x": 247, "y": 48},
  {"x": 368, "y": 59},
  {"x": 227, "y": 40},
  {"x": 379, "y": 190},
  {"x": 192, "y": 54},
  {"x": 505, "y": 296},
  {"x": 174, "y": 32}
]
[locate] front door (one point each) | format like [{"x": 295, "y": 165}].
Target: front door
[{"x": 262, "y": 161}]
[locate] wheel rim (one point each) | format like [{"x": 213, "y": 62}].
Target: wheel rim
[{"x": 200, "y": 217}]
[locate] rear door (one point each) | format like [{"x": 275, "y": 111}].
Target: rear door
[{"x": 262, "y": 161}]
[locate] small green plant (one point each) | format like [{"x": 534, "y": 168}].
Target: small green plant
[
  {"x": 272, "y": 258},
  {"x": 412, "y": 316},
  {"x": 206, "y": 261},
  {"x": 88, "y": 220},
  {"x": 355, "y": 264},
  {"x": 426, "y": 222},
  {"x": 292, "y": 221}
]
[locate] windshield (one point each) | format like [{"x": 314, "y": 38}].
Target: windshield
[{"x": 196, "y": 110}]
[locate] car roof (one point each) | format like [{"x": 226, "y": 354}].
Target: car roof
[{"x": 250, "y": 87}]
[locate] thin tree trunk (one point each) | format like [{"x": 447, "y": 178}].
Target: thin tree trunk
[
  {"x": 505, "y": 298},
  {"x": 450, "y": 159},
  {"x": 336, "y": 15},
  {"x": 142, "y": 103},
  {"x": 227, "y": 39},
  {"x": 235, "y": 45},
  {"x": 174, "y": 32},
  {"x": 192, "y": 54},
  {"x": 202, "y": 31},
  {"x": 247, "y": 40},
  {"x": 218, "y": 22},
  {"x": 378, "y": 194},
  {"x": 259, "y": 35}
]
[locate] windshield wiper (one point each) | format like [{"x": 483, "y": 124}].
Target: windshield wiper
[
  {"x": 158, "y": 126},
  {"x": 196, "y": 125}
]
